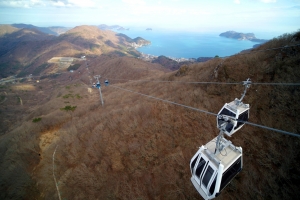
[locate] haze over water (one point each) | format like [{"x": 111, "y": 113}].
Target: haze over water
[{"x": 188, "y": 44}]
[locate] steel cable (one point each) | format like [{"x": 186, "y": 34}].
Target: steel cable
[{"x": 207, "y": 112}]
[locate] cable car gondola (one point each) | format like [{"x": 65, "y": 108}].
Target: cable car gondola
[
  {"x": 98, "y": 85},
  {"x": 233, "y": 112},
  {"x": 211, "y": 171},
  {"x": 215, "y": 164},
  {"x": 106, "y": 82}
]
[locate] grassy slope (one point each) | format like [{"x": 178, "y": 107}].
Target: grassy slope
[
  {"x": 7, "y": 29},
  {"x": 134, "y": 147}
]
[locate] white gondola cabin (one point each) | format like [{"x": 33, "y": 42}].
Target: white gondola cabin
[
  {"x": 231, "y": 116},
  {"x": 211, "y": 171}
]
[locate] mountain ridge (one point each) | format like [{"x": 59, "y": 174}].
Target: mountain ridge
[
  {"x": 19, "y": 47},
  {"x": 113, "y": 27},
  {"x": 51, "y": 30}
]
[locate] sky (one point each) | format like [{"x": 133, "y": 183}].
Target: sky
[{"x": 280, "y": 16}]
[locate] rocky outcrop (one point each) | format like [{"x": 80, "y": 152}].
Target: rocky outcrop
[
  {"x": 141, "y": 41},
  {"x": 136, "y": 42}
]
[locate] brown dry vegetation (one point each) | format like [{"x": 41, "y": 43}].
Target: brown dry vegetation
[
  {"x": 118, "y": 68},
  {"x": 7, "y": 29},
  {"x": 23, "y": 50},
  {"x": 134, "y": 147}
]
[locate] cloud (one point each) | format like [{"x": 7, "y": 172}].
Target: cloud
[
  {"x": 134, "y": 2},
  {"x": 295, "y": 7},
  {"x": 268, "y": 1},
  {"x": 21, "y": 3},
  {"x": 73, "y": 3},
  {"x": 46, "y": 3},
  {"x": 264, "y": 1}
]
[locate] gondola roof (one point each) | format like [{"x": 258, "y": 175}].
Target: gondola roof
[{"x": 226, "y": 157}]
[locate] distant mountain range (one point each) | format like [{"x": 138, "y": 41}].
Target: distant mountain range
[
  {"x": 57, "y": 30},
  {"x": 26, "y": 47},
  {"x": 52, "y": 30},
  {"x": 242, "y": 36},
  {"x": 113, "y": 27}
]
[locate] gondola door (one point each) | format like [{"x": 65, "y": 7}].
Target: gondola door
[
  {"x": 200, "y": 168},
  {"x": 208, "y": 178}
]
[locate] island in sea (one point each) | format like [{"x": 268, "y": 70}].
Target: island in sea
[
  {"x": 148, "y": 29},
  {"x": 242, "y": 36}
]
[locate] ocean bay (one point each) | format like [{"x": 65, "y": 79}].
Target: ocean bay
[{"x": 188, "y": 44}]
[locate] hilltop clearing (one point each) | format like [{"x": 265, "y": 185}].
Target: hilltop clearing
[{"x": 136, "y": 147}]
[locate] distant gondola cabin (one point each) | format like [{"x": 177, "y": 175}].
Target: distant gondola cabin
[{"x": 98, "y": 85}]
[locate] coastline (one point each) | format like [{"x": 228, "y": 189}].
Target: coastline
[
  {"x": 182, "y": 47},
  {"x": 149, "y": 57}
]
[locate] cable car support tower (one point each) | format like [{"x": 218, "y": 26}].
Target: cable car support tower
[{"x": 98, "y": 85}]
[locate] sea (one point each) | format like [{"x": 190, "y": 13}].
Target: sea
[{"x": 180, "y": 44}]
